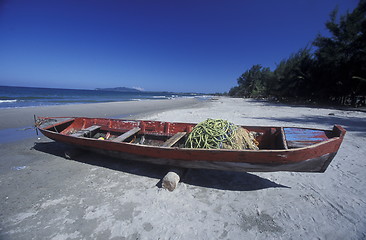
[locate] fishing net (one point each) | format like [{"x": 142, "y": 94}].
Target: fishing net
[{"x": 220, "y": 134}]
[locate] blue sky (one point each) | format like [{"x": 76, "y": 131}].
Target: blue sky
[{"x": 181, "y": 46}]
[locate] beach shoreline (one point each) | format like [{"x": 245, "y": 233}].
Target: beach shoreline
[
  {"x": 24, "y": 116},
  {"x": 45, "y": 196}
]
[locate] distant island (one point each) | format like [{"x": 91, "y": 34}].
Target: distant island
[{"x": 119, "y": 89}]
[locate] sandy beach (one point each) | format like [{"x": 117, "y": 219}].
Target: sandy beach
[{"x": 45, "y": 196}]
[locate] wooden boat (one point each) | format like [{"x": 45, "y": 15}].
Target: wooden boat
[{"x": 280, "y": 148}]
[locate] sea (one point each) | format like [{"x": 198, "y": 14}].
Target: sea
[{"x": 16, "y": 97}]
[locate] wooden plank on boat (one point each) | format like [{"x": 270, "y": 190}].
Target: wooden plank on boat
[
  {"x": 86, "y": 131},
  {"x": 300, "y": 137},
  {"x": 173, "y": 140},
  {"x": 126, "y": 135},
  {"x": 283, "y": 137}
]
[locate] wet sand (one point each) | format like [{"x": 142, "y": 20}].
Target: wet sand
[{"x": 45, "y": 196}]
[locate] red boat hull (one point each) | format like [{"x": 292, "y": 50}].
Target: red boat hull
[{"x": 312, "y": 158}]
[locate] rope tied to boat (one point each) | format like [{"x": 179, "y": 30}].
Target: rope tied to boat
[{"x": 220, "y": 134}]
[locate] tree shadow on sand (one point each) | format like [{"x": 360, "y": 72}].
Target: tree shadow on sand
[
  {"x": 357, "y": 125},
  {"x": 223, "y": 180},
  {"x": 330, "y": 117},
  {"x": 300, "y": 104}
]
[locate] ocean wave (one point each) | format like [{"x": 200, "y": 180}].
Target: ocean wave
[
  {"x": 160, "y": 97},
  {"x": 8, "y": 101},
  {"x": 19, "y": 97}
]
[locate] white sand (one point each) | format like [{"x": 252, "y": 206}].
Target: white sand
[{"x": 100, "y": 198}]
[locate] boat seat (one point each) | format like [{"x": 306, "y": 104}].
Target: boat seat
[
  {"x": 86, "y": 132},
  {"x": 126, "y": 135},
  {"x": 174, "y": 139},
  {"x": 300, "y": 137}
]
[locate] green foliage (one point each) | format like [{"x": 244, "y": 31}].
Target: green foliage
[
  {"x": 337, "y": 68},
  {"x": 343, "y": 55},
  {"x": 253, "y": 83},
  {"x": 293, "y": 76}
]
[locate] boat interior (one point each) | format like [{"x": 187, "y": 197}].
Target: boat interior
[{"x": 167, "y": 134}]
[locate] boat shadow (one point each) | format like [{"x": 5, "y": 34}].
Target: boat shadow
[
  {"x": 215, "y": 179},
  {"x": 227, "y": 180}
]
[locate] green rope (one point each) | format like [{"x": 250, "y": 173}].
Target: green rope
[{"x": 212, "y": 134}]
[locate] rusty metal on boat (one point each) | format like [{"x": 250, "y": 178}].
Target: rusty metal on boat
[{"x": 280, "y": 148}]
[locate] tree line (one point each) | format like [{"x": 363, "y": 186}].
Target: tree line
[{"x": 331, "y": 69}]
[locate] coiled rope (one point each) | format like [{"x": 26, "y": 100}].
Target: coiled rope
[{"x": 219, "y": 134}]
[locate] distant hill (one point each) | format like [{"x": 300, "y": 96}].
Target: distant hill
[{"x": 119, "y": 89}]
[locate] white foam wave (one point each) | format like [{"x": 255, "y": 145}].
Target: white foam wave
[
  {"x": 159, "y": 97},
  {"x": 7, "y": 101}
]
